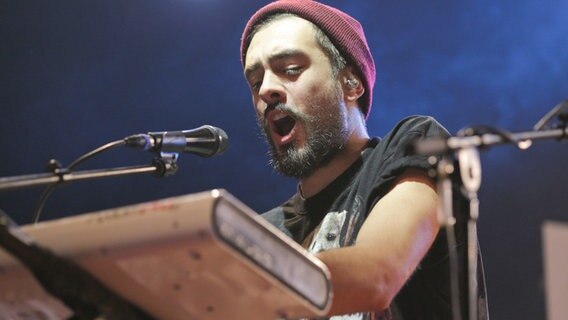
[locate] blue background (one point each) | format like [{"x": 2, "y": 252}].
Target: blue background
[{"x": 77, "y": 74}]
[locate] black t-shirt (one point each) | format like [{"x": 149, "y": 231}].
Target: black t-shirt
[{"x": 332, "y": 218}]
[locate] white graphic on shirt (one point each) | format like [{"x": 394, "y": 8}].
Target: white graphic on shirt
[
  {"x": 328, "y": 237},
  {"x": 329, "y": 232}
]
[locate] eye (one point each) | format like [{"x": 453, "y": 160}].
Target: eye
[
  {"x": 255, "y": 86},
  {"x": 292, "y": 70}
]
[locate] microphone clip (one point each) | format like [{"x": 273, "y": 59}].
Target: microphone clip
[{"x": 166, "y": 164}]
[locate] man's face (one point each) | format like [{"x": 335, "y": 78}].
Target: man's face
[{"x": 299, "y": 102}]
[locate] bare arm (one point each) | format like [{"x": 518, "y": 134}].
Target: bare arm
[{"x": 394, "y": 238}]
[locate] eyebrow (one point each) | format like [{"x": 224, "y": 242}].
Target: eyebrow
[{"x": 284, "y": 54}]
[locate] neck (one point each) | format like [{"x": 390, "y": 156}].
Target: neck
[{"x": 323, "y": 176}]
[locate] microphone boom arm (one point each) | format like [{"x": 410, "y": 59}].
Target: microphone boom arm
[
  {"x": 164, "y": 165},
  {"x": 522, "y": 139}
]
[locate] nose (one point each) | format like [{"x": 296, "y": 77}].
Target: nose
[{"x": 271, "y": 91}]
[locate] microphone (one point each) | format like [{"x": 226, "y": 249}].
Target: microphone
[{"x": 205, "y": 141}]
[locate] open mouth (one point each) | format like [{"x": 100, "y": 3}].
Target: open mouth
[{"x": 283, "y": 124}]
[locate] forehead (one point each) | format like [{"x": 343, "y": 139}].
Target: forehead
[{"x": 284, "y": 33}]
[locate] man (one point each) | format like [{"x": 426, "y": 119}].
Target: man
[{"x": 365, "y": 207}]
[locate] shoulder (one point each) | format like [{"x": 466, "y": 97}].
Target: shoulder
[
  {"x": 425, "y": 126},
  {"x": 402, "y": 137},
  {"x": 395, "y": 153}
]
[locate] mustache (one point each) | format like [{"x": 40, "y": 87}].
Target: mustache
[
  {"x": 276, "y": 106},
  {"x": 290, "y": 111}
]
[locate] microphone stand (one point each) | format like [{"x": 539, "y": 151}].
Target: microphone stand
[
  {"x": 75, "y": 287},
  {"x": 523, "y": 140},
  {"x": 464, "y": 151},
  {"x": 470, "y": 174},
  {"x": 164, "y": 165}
]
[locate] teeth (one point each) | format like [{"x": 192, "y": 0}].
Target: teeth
[{"x": 279, "y": 116}]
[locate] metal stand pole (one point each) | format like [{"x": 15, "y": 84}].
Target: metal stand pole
[
  {"x": 446, "y": 218},
  {"x": 470, "y": 172},
  {"x": 165, "y": 165}
]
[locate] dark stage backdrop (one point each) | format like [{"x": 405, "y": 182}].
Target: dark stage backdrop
[{"x": 77, "y": 74}]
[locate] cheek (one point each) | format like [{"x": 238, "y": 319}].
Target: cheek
[
  {"x": 318, "y": 95},
  {"x": 257, "y": 105},
  {"x": 317, "y": 82},
  {"x": 303, "y": 93}
]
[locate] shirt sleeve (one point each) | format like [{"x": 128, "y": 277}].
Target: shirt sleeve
[
  {"x": 396, "y": 152},
  {"x": 400, "y": 142}
]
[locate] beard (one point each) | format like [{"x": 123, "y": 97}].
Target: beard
[{"x": 325, "y": 126}]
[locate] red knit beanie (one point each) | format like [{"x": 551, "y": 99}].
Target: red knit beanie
[{"x": 344, "y": 32}]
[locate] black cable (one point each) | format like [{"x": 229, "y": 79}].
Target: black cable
[
  {"x": 93, "y": 153},
  {"x": 57, "y": 170},
  {"x": 41, "y": 203}
]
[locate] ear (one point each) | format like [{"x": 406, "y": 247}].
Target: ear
[{"x": 352, "y": 85}]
